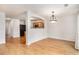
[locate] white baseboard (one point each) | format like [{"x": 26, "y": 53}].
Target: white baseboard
[
  {"x": 31, "y": 42},
  {"x": 66, "y": 39},
  {"x": 2, "y": 42}
]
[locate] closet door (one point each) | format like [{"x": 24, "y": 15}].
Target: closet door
[{"x": 2, "y": 28}]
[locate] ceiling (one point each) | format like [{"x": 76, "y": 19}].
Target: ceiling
[{"x": 43, "y": 10}]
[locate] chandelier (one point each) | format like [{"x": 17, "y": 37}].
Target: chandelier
[{"x": 53, "y": 18}]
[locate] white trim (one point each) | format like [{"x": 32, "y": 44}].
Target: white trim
[
  {"x": 31, "y": 42},
  {"x": 2, "y": 42},
  {"x": 66, "y": 39}
]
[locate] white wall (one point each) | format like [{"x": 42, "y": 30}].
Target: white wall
[
  {"x": 7, "y": 23},
  {"x": 65, "y": 28},
  {"x": 77, "y": 34},
  {"x": 2, "y": 28},
  {"x": 15, "y": 27},
  {"x": 34, "y": 34},
  {"x": 22, "y": 22}
]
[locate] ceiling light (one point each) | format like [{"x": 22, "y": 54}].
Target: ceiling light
[
  {"x": 65, "y": 5},
  {"x": 53, "y": 18}
]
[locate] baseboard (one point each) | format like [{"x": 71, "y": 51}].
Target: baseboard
[
  {"x": 34, "y": 41},
  {"x": 15, "y": 37},
  {"x": 2, "y": 42},
  {"x": 62, "y": 39},
  {"x": 77, "y": 48}
]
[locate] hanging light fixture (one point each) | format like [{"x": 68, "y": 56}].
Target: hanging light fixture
[{"x": 53, "y": 18}]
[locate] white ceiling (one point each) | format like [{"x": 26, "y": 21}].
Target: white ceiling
[{"x": 43, "y": 10}]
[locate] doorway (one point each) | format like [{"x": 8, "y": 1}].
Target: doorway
[{"x": 22, "y": 32}]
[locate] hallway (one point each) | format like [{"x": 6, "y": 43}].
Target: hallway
[{"x": 43, "y": 47}]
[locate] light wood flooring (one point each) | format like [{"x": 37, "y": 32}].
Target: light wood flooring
[{"x": 43, "y": 47}]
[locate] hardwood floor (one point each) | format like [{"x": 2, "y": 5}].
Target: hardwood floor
[
  {"x": 23, "y": 39},
  {"x": 43, "y": 47}
]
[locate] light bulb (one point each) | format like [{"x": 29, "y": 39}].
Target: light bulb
[{"x": 53, "y": 21}]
